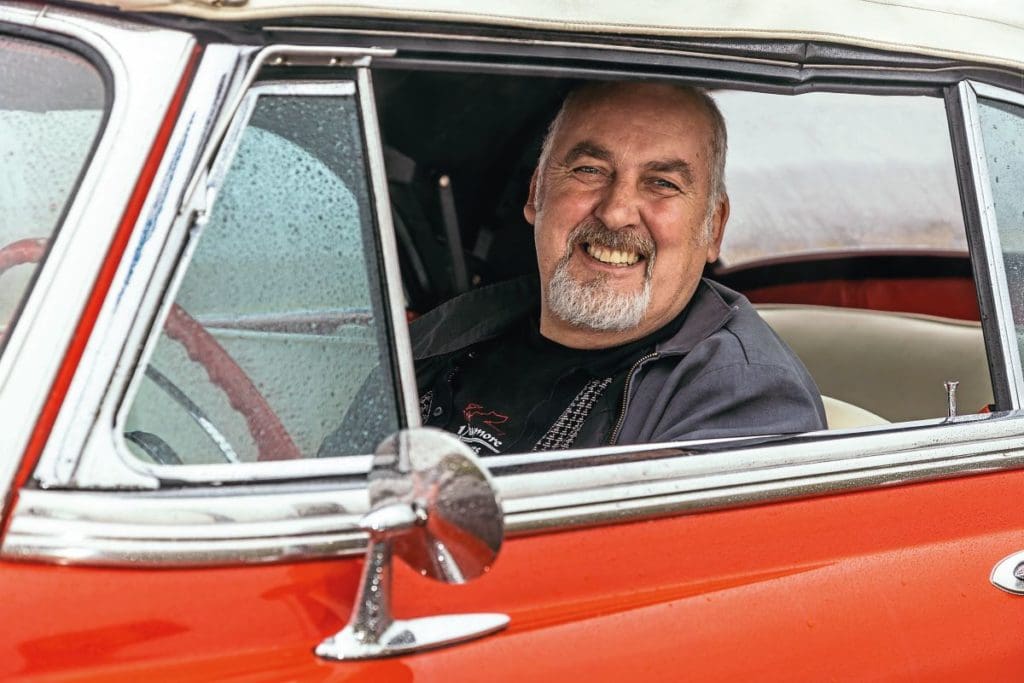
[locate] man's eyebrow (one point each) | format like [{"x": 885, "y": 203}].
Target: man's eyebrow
[
  {"x": 586, "y": 148},
  {"x": 678, "y": 166}
]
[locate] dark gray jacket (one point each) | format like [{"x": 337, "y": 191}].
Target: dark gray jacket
[{"x": 724, "y": 373}]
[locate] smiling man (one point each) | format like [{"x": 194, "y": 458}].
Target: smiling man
[{"x": 621, "y": 340}]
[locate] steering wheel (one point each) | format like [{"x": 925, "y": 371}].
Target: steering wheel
[{"x": 270, "y": 436}]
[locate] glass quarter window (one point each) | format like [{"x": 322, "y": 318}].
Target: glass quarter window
[{"x": 274, "y": 347}]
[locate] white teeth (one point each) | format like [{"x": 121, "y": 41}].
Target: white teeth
[{"x": 613, "y": 256}]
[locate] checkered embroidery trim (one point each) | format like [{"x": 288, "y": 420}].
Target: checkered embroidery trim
[
  {"x": 567, "y": 427},
  {"x": 426, "y": 400}
]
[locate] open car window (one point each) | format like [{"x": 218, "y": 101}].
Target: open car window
[
  {"x": 846, "y": 229},
  {"x": 286, "y": 276}
]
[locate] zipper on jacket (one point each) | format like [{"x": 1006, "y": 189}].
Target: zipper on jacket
[{"x": 625, "y": 396}]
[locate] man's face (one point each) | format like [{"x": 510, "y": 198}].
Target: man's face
[{"x": 620, "y": 214}]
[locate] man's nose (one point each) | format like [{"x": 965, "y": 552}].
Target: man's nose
[{"x": 619, "y": 206}]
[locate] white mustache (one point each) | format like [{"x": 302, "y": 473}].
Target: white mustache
[{"x": 593, "y": 231}]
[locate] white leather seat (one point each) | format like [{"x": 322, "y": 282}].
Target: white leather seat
[
  {"x": 890, "y": 364},
  {"x": 843, "y": 415}
]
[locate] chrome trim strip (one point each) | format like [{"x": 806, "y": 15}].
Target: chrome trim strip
[
  {"x": 402, "y": 351},
  {"x": 993, "y": 249},
  {"x": 146, "y": 530},
  {"x": 266, "y": 523},
  {"x": 992, "y": 92}
]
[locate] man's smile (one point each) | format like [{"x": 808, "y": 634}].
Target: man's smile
[{"x": 617, "y": 257}]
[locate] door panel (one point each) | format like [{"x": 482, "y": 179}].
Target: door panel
[{"x": 881, "y": 585}]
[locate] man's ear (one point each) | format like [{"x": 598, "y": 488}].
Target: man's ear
[
  {"x": 530, "y": 208},
  {"x": 718, "y": 221}
]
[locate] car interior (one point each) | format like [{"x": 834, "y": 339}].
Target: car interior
[{"x": 881, "y": 320}]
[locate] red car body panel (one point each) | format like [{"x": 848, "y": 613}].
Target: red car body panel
[
  {"x": 895, "y": 579},
  {"x": 887, "y": 583}
]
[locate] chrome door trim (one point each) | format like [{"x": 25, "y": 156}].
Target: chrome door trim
[
  {"x": 66, "y": 278},
  {"x": 991, "y": 242},
  {"x": 270, "y": 523},
  {"x": 146, "y": 529}
]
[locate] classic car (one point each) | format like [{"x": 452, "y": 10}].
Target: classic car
[{"x": 218, "y": 216}]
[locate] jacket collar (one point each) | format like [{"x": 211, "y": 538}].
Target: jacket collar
[
  {"x": 484, "y": 313},
  {"x": 711, "y": 307}
]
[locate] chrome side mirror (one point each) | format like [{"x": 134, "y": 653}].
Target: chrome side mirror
[{"x": 432, "y": 505}]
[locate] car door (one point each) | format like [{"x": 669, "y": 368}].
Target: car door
[{"x": 181, "y": 519}]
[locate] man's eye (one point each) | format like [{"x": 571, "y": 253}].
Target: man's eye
[
  {"x": 663, "y": 184},
  {"x": 589, "y": 170}
]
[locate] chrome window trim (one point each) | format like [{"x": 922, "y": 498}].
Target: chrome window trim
[
  {"x": 223, "y": 472},
  {"x": 226, "y": 472},
  {"x": 253, "y": 524},
  {"x": 993, "y": 92},
  {"x": 991, "y": 243},
  {"x": 94, "y": 455},
  {"x": 64, "y": 282},
  {"x": 394, "y": 295},
  {"x": 329, "y": 31},
  {"x": 278, "y": 55}
]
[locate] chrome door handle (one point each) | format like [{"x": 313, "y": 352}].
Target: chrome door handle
[{"x": 1008, "y": 574}]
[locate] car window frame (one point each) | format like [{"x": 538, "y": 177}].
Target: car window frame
[
  {"x": 988, "y": 260},
  {"x": 611, "y": 484},
  {"x": 197, "y": 474}
]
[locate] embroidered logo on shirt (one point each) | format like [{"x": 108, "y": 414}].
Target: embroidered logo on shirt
[
  {"x": 478, "y": 438},
  {"x": 490, "y": 418}
]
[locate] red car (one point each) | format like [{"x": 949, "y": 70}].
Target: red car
[{"x": 217, "y": 218}]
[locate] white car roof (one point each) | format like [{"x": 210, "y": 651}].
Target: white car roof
[{"x": 990, "y": 31}]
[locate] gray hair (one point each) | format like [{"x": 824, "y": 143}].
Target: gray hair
[{"x": 719, "y": 138}]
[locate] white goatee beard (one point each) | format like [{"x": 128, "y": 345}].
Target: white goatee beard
[{"x": 595, "y": 305}]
